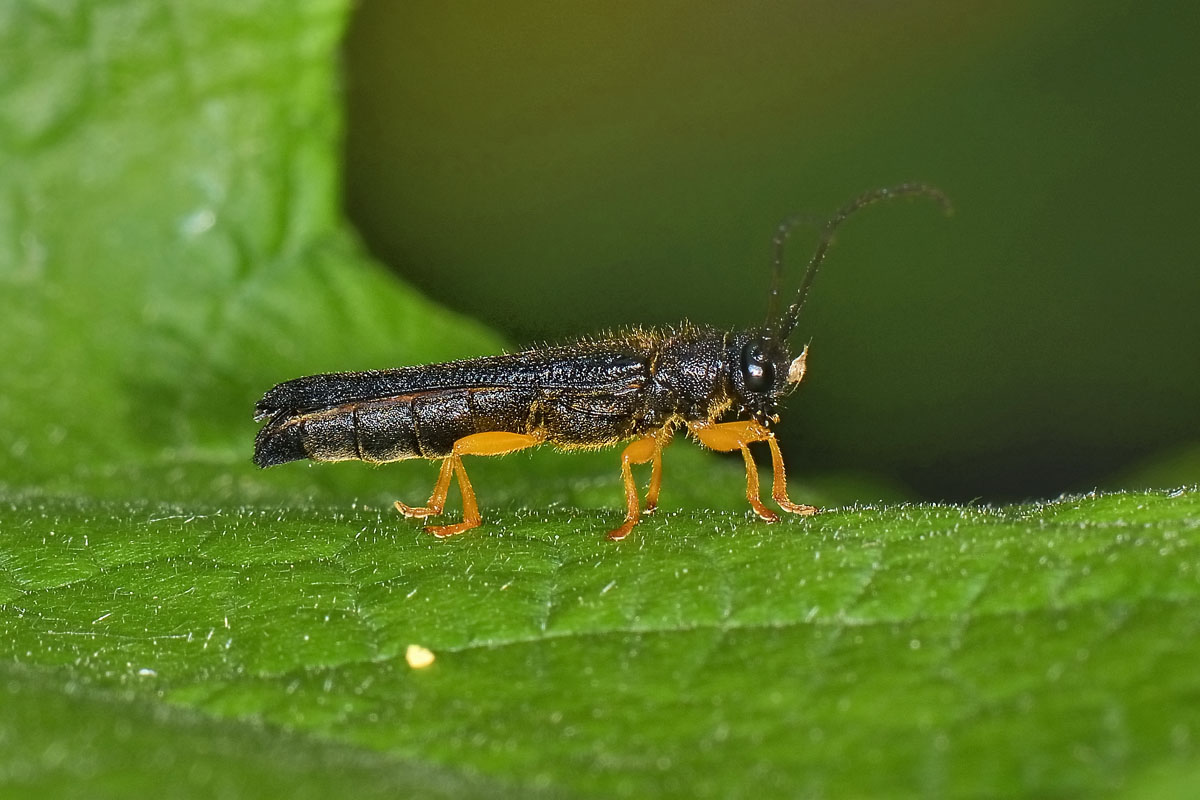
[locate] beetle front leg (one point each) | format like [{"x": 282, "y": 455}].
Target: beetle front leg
[
  {"x": 779, "y": 483},
  {"x": 728, "y": 436}
]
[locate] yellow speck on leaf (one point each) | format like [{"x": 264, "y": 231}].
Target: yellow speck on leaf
[{"x": 418, "y": 657}]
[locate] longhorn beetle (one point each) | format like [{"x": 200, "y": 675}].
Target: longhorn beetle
[{"x": 638, "y": 384}]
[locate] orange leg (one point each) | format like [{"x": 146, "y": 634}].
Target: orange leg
[
  {"x": 752, "y": 488},
  {"x": 726, "y": 436},
  {"x": 661, "y": 439},
  {"x": 437, "y": 500},
  {"x": 779, "y": 483},
  {"x": 477, "y": 444},
  {"x": 639, "y": 451},
  {"x": 471, "y": 515}
]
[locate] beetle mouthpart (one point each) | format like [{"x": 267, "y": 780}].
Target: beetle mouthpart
[{"x": 796, "y": 370}]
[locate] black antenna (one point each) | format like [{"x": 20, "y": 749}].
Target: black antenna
[
  {"x": 788, "y": 322},
  {"x": 781, "y": 236}
]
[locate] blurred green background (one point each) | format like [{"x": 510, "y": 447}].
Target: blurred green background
[{"x": 559, "y": 169}]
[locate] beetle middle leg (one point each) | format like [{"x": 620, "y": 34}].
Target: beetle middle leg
[
  {"x": 639, "y": 451},
  {"x": 726, "y": 436},
  {"x": 662, "y": 439},
  {"x": 496, "y": 443}
]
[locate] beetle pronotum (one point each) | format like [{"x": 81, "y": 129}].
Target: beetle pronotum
[{"x": 637, "y": 386}]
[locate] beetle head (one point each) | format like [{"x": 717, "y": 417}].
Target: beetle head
[{"x": 762, "y": 371}]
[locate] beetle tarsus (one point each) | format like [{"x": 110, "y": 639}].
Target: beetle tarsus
[
  {"x": 417, "y": 512},
  {"x": 446, "y": 531}
]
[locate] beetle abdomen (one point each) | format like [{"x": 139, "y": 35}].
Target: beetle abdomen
[
  {"x": 424, "y": 425},
  {"x": 278, "y": 442},
  {"x": 375, "y": 431}
]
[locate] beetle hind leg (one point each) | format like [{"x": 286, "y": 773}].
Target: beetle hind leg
[
  {"x": 437, "y": 500},
  {"x": 495, "y": 443},
  {"x": 471, "y": 515}
]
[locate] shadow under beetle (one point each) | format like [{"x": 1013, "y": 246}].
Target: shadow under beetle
[{"x": 638, "y": 384}]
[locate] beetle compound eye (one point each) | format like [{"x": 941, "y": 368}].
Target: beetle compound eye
[{"x": 757, "y": 370}]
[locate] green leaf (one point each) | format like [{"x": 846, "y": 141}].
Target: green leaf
[
  {"x": 174, "y": 622},
  {"x": 170, "y": 243},
  {"x": 65, "y": 740},
  {"x": 914, "y": 650}
]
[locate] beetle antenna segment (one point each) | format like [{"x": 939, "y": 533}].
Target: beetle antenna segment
[
  {"x": 781, "y": 236},
  {"x": 788, "y": 323}
]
